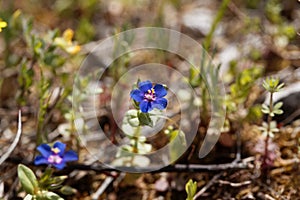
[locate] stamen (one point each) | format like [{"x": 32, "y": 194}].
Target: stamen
[
  {"x": 55, "y": 150},
  {"x": 150, "y": 95},
  {"x": 56, "y": 159}
]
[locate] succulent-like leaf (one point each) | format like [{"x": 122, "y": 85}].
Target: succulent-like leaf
[
  {"x": 28, "y": 179},
  {"x": 47, "y": 195},
  {"x": 278, "y": 105},
  {"x": 67, "y": 190},
  {"x": 28, "y": 197},
  {"x": 191, "y": 189}
]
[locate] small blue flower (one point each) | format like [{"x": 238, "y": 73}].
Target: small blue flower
[
  {"x": 150, "y": 97},
  {"x": 55, "y": 155}
]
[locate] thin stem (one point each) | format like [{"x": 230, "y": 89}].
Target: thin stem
[
  {"x": 268, "y": 130},
  {"x": 217, "y": 19},
  {"x": 271, "y": 110},
  {"x": 136, "y": 136}
]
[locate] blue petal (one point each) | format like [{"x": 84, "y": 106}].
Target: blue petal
[
  {"x": 137, "y": 95},
  {"x": 70, "y": 156},
  {"x": 145, "y": 86},
  {"x": 145, "y": 106},
  {"x": 45, "y": 150},
  {"x": 160, "y": 103},
  {"x": 160, "y": 90},
  {"x": 39, "y": 160},
  {"x": 60, "y": 165},
  {"x": 61, "y": 146}
]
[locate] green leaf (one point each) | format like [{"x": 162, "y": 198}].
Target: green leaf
[
  {"x": 191, "y": 189},
  {"x": 134, "y": 122},
  {"x": 145, "y": 119},
  {"x": 265, "y": 109},
  {"x": 58, "y": 179},
  {"x": 273, "y": 124},
  {"x": 28, "y": 197},
  {"x": 56, "y": 182},
  {"x": 46, "y": 176},
  {"x": 177, "y": 144},
  {"x": 85, "y": 31},
  {"x": 132, "y": 118},
  {"x": 54, "y": 60},
  {"x": 264, "y": 106},
  {"x": 278, "y": 105},
  {"x": 194, "y": 78},
  {"x": 67, "y": 190},
  {"x": 28, "y": 179},
  {"x": 46, "y": 195},
  {"x": 266, "y": 85},
  {"x": 279, "y": 87},
  {"x": 278, "y": 112}
]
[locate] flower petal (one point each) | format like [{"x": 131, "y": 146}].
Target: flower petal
[
  {"x": 61, "y": 146},
  {"x": 60, "y": 165},
  {"x": 145, "y": 86},
  {"x": 160, "y": 103},
  {"x": 137, "y": 95},
  {"x": 145, "y": 106},
  {"x": 70, "y": 156},
  {"x": 45, "y": 150},
  {"x": 160, "y": 90},
  {"x": 39, "y": 160}
]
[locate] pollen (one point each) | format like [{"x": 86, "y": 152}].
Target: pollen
[
  {"x": 3, "y": 24},
  {"x": 55, "y": 150},
  {"x": 152, "y": 91}
]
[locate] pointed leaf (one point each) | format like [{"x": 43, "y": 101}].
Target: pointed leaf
[
  {"x": 46, "y": 195},
  {"x": 67, "y": 190},
  {"x": 278, "y": 105},
  {"x": 279, "y": 87},
  {"x": 191, "y": 188},
  {"x": 177, "y": 145},
  {"x": 145, "y": 119},
  {"x": 46, "y": 176},
  {"x": 278, "y": 112},
  {"x": 265, "y": 109},
  {"x": 28, "y": 179}
]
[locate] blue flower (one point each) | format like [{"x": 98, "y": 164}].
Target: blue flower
[
  {"x": 55, "y": 155},
  {"x": 150, "y": 97}
]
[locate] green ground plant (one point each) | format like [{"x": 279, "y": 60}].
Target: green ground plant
[{"x": 268, "y": 128}]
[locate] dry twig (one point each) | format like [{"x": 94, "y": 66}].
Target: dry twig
[
  {"x": 208, "y": 185},
  {"x": 234, "y": 184},
  {"x": 15, "y": 142}
]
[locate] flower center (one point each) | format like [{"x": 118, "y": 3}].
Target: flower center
[
  {"x": 150, "y": 95},
  {"x": 55, "y": 159},
  {"x": 55, "y": 150}
]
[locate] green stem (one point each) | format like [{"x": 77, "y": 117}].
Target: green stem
[
  {"x": 43, "y": 105},
  {"x": 219, "y": 16},
  {"x": 268, "y": 130},
  {"x": 136, "y": 136}
]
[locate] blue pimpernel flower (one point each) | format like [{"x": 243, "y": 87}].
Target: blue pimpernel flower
[
  {"x": 55, "y": 155},
  {"x": 150, "y": 97}
]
